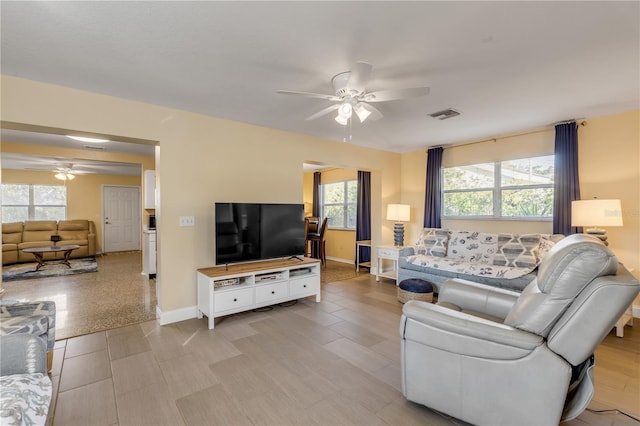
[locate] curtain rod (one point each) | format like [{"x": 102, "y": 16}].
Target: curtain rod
[{"x": 580, "y": 122}]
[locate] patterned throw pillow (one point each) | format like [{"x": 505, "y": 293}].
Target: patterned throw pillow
[
  {"x": 520, "y": 251},
  {"x": 475, "y": 247},
  {"x": 433, "y": 241},
  {"x": 547, "y": 241}
]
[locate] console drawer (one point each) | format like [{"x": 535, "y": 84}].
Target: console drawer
[
  {"x": 227, "y": 300},
  {"x": 269, "y": 292},
  {"x": 305, "y": 286},
  {"x": 387, "y": 253}
]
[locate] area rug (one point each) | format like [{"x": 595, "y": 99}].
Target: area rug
[
  {"x": 338, "y": 271},
  {"x": 27, "y": 271}
]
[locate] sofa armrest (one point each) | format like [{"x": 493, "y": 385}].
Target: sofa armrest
[
  {"x": 406, "y": 251},
  {"x": 463, "y": 295},
  {"x": 22, "y": 354},
  {"x": 45, "y": 308},
  {"x": 91, "y": 239},
  {"x": 465, "y": 334}
]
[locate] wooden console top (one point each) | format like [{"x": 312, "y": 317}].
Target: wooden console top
[{"x": 239, "y": 268}]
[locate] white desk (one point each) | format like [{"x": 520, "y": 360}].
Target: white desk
[
  {"x": 362, "y": 243},
  {"x": 386, "y": 255}
]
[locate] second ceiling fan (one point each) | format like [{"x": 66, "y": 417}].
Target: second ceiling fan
[{"x": 351, "y": 95}]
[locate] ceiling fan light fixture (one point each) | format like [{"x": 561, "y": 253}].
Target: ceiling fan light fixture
[
  {"x": 345, "y": 110},
  {"x": 362, "y": 112},
  {"x": 342, "y": 120},
  {"x": 64, "y": 176},
  {"x": 88, "y": 140}
]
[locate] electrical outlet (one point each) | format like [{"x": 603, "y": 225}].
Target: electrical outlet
[{"x": 187, "y": 221}]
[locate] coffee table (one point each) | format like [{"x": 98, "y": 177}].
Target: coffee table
[{"x": 39, "y": 252}]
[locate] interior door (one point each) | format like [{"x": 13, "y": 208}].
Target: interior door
[{"x": 121, "y": 218}]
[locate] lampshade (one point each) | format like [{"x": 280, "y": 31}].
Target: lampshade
[
  {"x": 398, "y": 212},
  {"x": 344, "y": 113},
  {"x": 362, "y": 112},
  {"x": 342, "y": 120},
  {"x": 596, "y": 213}
]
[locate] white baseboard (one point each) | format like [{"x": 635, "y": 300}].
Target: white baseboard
[
  {"x": 337, "y": 259},
  {"x": 635, "y": 311},
  {"x": 176, "y": 315}
]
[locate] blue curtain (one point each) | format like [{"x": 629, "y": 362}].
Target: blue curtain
[
  {"x": 363, "y": 214},
  {"x": 433, "y": 189},
  {"x": 567, "y": 183},
  {"x": 316, "y": 195}
]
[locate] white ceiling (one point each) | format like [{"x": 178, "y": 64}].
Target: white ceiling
[{"x": 506, "y": 66}]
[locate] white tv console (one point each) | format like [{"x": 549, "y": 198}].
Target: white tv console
[{"x": 225, "y": 290}]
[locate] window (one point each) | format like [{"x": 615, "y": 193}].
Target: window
[
  {"x": 508, "y": 189},
  {"x": 33, "y": 202},
  {"x": 339, "y": 203}
]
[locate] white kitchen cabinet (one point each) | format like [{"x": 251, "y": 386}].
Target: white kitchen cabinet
[
  {"x": 149, "y": 250},
  {"x": 149, "y": 189}
]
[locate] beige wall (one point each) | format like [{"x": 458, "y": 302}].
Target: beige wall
[
  {"x": 201, "y": 160},
  {"x": 609, "y": 167},
  {"x": 609, "y": 156}
]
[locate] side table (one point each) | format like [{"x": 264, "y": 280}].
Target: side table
[
  {"x": 386, "y": 254},
  {"x": 362, "y": 243}
]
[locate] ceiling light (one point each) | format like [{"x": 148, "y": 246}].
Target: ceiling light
[
  {"x": 64, "y": 176},
  {"x": 342, "y": 120},
  {"x": 344, "y": 113},
  {"x": 89, "y": 140},
  {"x": 345, "y": 110},
  {"x": 362, "y": 112}
]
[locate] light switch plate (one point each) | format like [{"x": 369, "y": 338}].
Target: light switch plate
[{"x": 187, "y": 221}]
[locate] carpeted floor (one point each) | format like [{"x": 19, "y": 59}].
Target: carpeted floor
[
  {"x": 338, "y": 271},
  {"x": 27, "y": 271}
]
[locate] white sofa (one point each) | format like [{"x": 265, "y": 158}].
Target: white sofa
[{"x": 501, "y": 260}]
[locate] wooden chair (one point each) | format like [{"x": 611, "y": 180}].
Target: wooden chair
[
  {"x": 310, "y": 228},
  {"x": 318, "y": 242}
]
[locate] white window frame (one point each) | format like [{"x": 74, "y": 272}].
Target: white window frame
[
  {"x": 31, "y": 207},
  {"x": 345, "y": 204},
  {"x": 497, "y": 195}
]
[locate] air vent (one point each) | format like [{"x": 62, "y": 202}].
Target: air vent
[
  {"x": 444, "y": 114},
  {"x": 94, "y": 147}
]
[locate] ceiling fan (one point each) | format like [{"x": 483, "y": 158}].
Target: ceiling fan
[
  {"x": 65, "y": 172},
  {"x": 351, "y": 95}
]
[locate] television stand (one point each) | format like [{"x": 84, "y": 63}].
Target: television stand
[
  {"x": 297, "y": 258},
  {"x": 239, "y": 287}
]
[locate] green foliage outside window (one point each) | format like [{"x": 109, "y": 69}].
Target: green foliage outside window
[
  {"x": 517, "y": 188},
  {"x": 33, "y": 202},
  {"x": 478, "y": 203},
  {"x": 339, "y": 203}
]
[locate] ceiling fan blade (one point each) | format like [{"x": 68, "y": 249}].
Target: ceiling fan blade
[
  {"x": 375, "y": 113},
  {"x": 324, "y": 111},
  {"x": 310, "y": 95},
  {"x": 392, "y": 95},
  {"x": 360, "y": 74}
]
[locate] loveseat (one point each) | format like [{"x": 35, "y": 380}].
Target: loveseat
[
  {"x": 17, "y": 236},
  {"x": 501, "y": 260}
]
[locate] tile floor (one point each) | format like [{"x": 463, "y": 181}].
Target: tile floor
[{"x": 332, "y": 363}]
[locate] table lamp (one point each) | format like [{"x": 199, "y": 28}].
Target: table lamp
[
  {"x": 399, "y": 213},
  {"x": 596, "y": 213}
]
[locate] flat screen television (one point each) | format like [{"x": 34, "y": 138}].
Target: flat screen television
[{"x": 250, "y": 231}]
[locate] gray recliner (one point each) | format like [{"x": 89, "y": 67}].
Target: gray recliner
[{"x": 494, "y": 357}]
